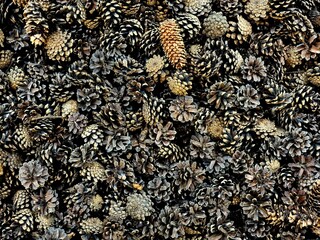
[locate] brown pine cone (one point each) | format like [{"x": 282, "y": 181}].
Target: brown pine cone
[{"x": 172, "y": 43}]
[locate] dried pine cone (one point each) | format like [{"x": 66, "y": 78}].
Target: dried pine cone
[
  {"x": 221, "y": 95},
  {"x": 180, "y": 82},
  {"x": 33, "y": 175},
  {"x": 189, "y": 24},
  {"x": 239, "y": 31},
  {"x": 16, "y": 77},
  {"x": 153, "y": 110},
  {"x": 59, "y": 46},
  {"x": 139, "y": 206},
  {"x": 21, "y": 200},
  {"x": 93, "y": 171},
  {"x": 155, "y": 67},
  {"x": 215, "y": 25},
  {"x": 24, "y": 219},
  {"x": 314, "y": 76},
  {"x": 68, "y": 108},
  {"x": 257, "y": 10},
  {"x": 254, "y": 69},
  {"x": 93, "y": 135},
  {"x": 198, "y": 8},
  {"x": 37, "y": 25},
  {"x": 5, "y": 58},
  {"x": 292, "y": 56},
  {"x": 92, "y": 226},
  {"x": 215, "y": 128},
  {"x": 23, "y": 138},
  {"x": 172, "y": 43},
  {"x": 183, "y": 109}
]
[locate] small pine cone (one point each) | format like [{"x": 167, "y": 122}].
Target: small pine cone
[
  {"x": 68, "y": 108},
  {"x": 172, "y": 43},
  {"x": 264, "y": 127},
  {"x": 206, "y": 65},
  {"x": 16, "y": 77},
  {"x": 96, "y": 202},
  {"x": 198, "y": 8},
  {"x": 93, "y": 171},
  {"x": 180, "y": 83},
  {"x": 232, "y": 62},
  {"x": 21, "y": 200},
  {"x": 172, "y": 152},
  {"x": 110, "y": 12},
  {"x": 91, "y": 226},
  {"x": 59, "y": 46},
  {"x": 292, "y": 56},
  {"x": 239, "y": 31},
  {"x": 221, "y": 95},
  {"x": 183, "y": 109},
  {"x": 215, "y": 128},
  {"x": 139, "y": 206},
  {"x": 93, "y": 135},
  {"x": 37, "y": 26},
  {"x": 134, "y": 120},
  {"x": 23, "y": 219},
  {"x": 305, "y": 98},
  {"x": 231, "y": 8},
  {"x": 5, "y": 58},
  {"x": 131, "y": 30},
  {"x": 149, "y": 42},
  {"x": 189, "y": 24},
  {"x": 153, "y": 110},
  {"x": 23, "y": 138},
  {"x": 1, "y": 38},
  {"x": 117, "y": 212},
  {"x": 257, "y": 10},
  {"x": 215, "y": 25},
  {"x": 244, "y": 27},
  {"x": 155, "y": 67}
]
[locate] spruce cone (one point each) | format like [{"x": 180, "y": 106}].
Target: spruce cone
[{"x": 172, "y": 43}]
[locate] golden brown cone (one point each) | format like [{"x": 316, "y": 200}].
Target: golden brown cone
[{"x": 172, "y": 43}]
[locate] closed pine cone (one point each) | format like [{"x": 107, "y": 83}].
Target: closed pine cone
[{"x": 172, "y": 43}]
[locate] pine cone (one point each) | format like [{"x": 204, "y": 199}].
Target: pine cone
[
  {"x": 292, "y": 56},
  {"x": 37, "y": 25},
  {"x": 5, "y": 58},
  {"x": 59, "y": 46},
  {"x": 257, "y": 9},
  {"x": 189, "y": 24},
  {"x": 180, "y": 83},
  {"x": 198, "y": 8},
  {"x": 172, "y": 43},
  {"x": 16, "y": 77},
  {"x": 21, "y": 200},
  {"x": 93, "y": 171},
  {"x": 24, "y": 219},
  {"x": 239, "y": 31},
  {"x": 216, "y": 25}
]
